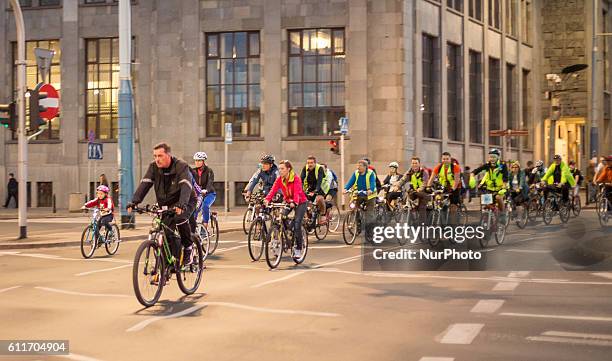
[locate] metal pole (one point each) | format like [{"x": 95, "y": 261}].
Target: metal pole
[
  {"x": 88, "y": 177},
  {"x": 342, "y": 168},
  {"x": 22, "y": 157},
  {"x": 594, "y": 114},
  {"x": 226, "y": 187},
  {"x": 126, "y": 113}
]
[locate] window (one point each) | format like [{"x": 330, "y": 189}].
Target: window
[
  {"x": 48, "y": 2},
  {"x": 95, "y": 1},
  {"x": 220, "y": 190},
  {"x": 101, "y": 97},
  {"x": 527, "y": 118},
  {"x": 511, "y": 20},
  {"x": 25, "y": 3},
  {"x": 455, "y": 4},
  {"x": 233, "y": 93},
  {"x": 475, "y": 9},
  {"x": 454, "y": 92},
  {"x": 494, "y": 14},
  {"x": 34, "y": 77},
  {"x": 475, "y": 97},
  {"x": 44, "y": 190},
  {"x": 316, "y": 81},
  {"x": 431, "y": 87},
  {"x": 512, "y": 118},
  {"x": 526, "y": 12},
  {"x": 494, "y": 99},
  {"x": 239, "y": 200}
]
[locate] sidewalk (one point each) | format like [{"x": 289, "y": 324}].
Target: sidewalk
[{"x": 228, "y": 222}]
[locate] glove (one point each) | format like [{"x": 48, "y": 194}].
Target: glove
[
  {"x": 130, "y": 205},
  {"x": 502, "y": 192}
]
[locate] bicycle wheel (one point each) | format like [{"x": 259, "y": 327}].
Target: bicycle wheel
[
  {"x": 500, "y": 227},
  {"x": 190, "y": 276},
  {"x": 88, "y": 242},
  {"x": 148, "y": 273},
  {"x": 602, "y": 209},
  {"x": 301, "y": 259},
  {"x": 549, "y": 211},
  {"x": 321, "y": 231},
  {"x": 274, "y": 246},
  {"x": 334, "y": 218},
  {"x": 214, "y": 235},
  {"x": 462, "y": 215},
  {"x": 564, "y": 211},
  {"x": 246, "y": 220},
  {"x": 112, "y": 244},
  {"x": 202, "y": 233},
  {"x": 485, "y": 223},
  {"x": 533, "y": 208},
  {"x": 433, "y": 220},
  {"x": 256, "y": 239},
  {"x": 576, "y": 207},
  {"x": 349, "y": 227},
  {"x": 521, "y": 215}
]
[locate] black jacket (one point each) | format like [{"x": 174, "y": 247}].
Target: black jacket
[
  {"x": 314, "y": 180},
  {"x": 205, "y": 181},
  {"x": 173, "y": 186},
  {"x": 12, "y": 185}
]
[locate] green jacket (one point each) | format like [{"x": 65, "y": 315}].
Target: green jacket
[{"x": 566, "y": 175}]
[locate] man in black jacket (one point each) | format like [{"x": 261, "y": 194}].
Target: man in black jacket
[
  {"x": 172, "y": 181},
  {"x": 12, "y": 188}
]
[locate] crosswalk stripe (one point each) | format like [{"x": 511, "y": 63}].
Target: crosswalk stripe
[
  {"x": 487, "y": 306},
  {"x": 461, "y": 333},
  {"x": 505, "y": 286}
]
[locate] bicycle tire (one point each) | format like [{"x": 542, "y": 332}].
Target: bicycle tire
[
  {"x": 349, "y": 227},
  {"x": 197, "y": 267},
  {"x": 321, "y": 231},
  {"x": 433, "y": 220},
  {"x": 576, "y": 206},
  {"x": 486, "y": 224},
  {"x": 159, "y": 266},
  {"x": 274, "y": 247},
  {"x": 564, "y": 212},
  {"x": 204, "y": 240},
  {"x": 533, "y": 208},
  {"x": 304, "y": 248},
  {"x": 113, "y": 246},
  {"x": 604, "y": 214},
  {"x": 258, "y": 226},
  {"x": 247, "y": 220},
  {"x": 214, "y": 223},
  {"x": 86, "y": 235},
  {"x": 521, "y": 219},
  {"x": 548, "y": 212},
  {"x": 335, "y": 218}
]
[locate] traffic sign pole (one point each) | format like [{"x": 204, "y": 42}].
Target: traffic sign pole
[
  {"x": 344, "y": 123},
  {"x": 228, "y": 141}
]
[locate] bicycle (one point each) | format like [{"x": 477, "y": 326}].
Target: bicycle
[
  {"x": 408, "y": 209},
  {"x": 535, "y": 206},
  {"x": 439, "y": 213},
  {"x": 490, "y": 218},
  {"x": 281, "y": 238},
  {"x": 352, "y": 224},
  {"x": 518, "y": 212},
  {"x": 604, "y": 211},
  {"x": 575, "y": 204},
  {"x": 334, "y": 218},
  {"x": 258, "y": 231},
  {"x": 156, "y": 263},
  {"x": 209, "y": 236},
  {"x": 89, "y": 243},
  {"x": 554, "y": 205},
  {"x": 255, "y": 203},
  {"x": 311, "y": 221}
]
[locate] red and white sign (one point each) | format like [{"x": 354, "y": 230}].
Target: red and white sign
[{"x": 51, "y": 102}]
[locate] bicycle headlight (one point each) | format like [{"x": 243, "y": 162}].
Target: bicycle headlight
[{"x": 352, "y": 205}]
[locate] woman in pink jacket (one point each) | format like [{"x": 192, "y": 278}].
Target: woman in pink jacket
[{"x": 291, "y": 186}]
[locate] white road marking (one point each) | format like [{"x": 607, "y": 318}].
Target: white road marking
[
  {"x": 607, "y": 275},
  {"x": 73, "y": 356},
  {"x": 428, "y": 358},
  {"x": 141, "y": 325},
  {"x": 461, "y": 333},
  {"x": 576, "y": 334},
  {"x": 231, "y": 266},
  {"x": 276, "y": 280},
  {"x": 329, "y": 247},
  {"x": 562, "y": 317},
  {"x": 221, "y": 250},
  {"x": 505, "y": 286},
  {"x": 575, "y": 341},
  {"x": 529, "y": 250},
  {"x": 519, "y": 274},
  {"x": 487, "y": 306},
  {"x": 81, "y": 293},
  {"x": 102, "y": 270},
  {"x": 8, "y": 289},
  {"x": 58, "y": 258}
]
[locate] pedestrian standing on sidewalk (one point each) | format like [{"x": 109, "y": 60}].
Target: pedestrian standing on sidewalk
[{"x": 12, "y": 189}]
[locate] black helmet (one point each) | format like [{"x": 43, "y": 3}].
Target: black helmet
[
  {"x": 496, "y": 152},
  {"x": 267, "y": 158}
]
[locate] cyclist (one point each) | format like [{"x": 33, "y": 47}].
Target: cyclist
[
  {"x": 417, "y": 177},
  {"x": 392, "y": 178},
  {"x": 312, "y": 175},
  {"x": 448, "y": 174},
  {"x": 246, "y": 187},
  {"x": 291, "y": 187},
  {"x": 364, "y": 181},
  {"x": 495, "y": 179},
  {"x": 537, "y": 173},
  {"x": 172, "y": 180},
  {"x": 558, "y": 173},
  {"x": 605, "y": 177},
  {"x": 519, "y": 190},
  {"x": 577, "y": 177},
  {"x": 267, "y": 175},
  {"x": 493, "y": 161},
  {"x": 106, "y": 206},
  {"x": 204, "y": 177},
  {"x": 371, "y": 167},
  {"x": 330, "y": 183}
]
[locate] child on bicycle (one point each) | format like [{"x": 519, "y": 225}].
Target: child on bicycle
[{"x": 105, "y": 204}]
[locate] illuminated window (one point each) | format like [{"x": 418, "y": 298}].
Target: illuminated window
[{"x": 101, "y": 97}]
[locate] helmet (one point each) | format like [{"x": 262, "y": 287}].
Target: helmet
[
  {"x": 539, "y": 163},
  {"x": 267, "y": 158},
  {"x": 557, "y": 156},
  {"x": 200, "y": 156},
  {"x": 496, "y": 152},
  {"x": 608, "y": 158},
  {"x": 394, "y": 165},
  {"x": 103, "y": 188}
]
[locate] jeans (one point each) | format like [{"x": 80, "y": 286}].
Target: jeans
[
  {"x": 104, "y": 221},
  {"x": 208, "y": 200},
  {"x": 8, "y": 199},
  {"x": 300, "y": 211}
]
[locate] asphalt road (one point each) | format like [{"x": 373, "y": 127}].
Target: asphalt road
[{"x": 325, "y": 309}]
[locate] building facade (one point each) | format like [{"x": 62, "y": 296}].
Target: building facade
[{"x": 415, "y": 78}]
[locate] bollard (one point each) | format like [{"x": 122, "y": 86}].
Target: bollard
[{"x": 53, "y": 203}]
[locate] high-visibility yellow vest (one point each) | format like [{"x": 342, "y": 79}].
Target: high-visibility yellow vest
[{"x": 368, "y": 174}]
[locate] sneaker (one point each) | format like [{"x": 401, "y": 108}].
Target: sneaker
[
  {"x": 297, "y": 253},
  {"x": 188, "y": 256}
]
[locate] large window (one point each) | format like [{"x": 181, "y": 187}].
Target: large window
[
  {"x": 495, "y": 14},
  {"x": 476, "y": 97},
  {"x": 494, "y": 99},
  {"x": 431, "y": 87},
  {"x": 233, "y": 92},
  {"x": 511, "y": 100},
  {"x": 511, "y": 19},
  {"x": 527, "y": 105},
  {"x": 454, "y": 92},
  {"x": 475, "y": 9},
  {"x": 44, "y": 190},
  {"x": 526, "y": 13},
  {"x": 102, "y": 87},
  {"x": 316, "y": 81},
  {"x": 34, "y": 77},
  {"x": 455, "y": 4}
]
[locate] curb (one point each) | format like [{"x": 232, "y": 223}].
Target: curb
[{"x": 78, "y": 243}]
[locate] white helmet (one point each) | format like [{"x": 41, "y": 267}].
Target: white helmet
[
  {"x": 200, "y": 156},
  {"x": 394, "y": 165}
]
